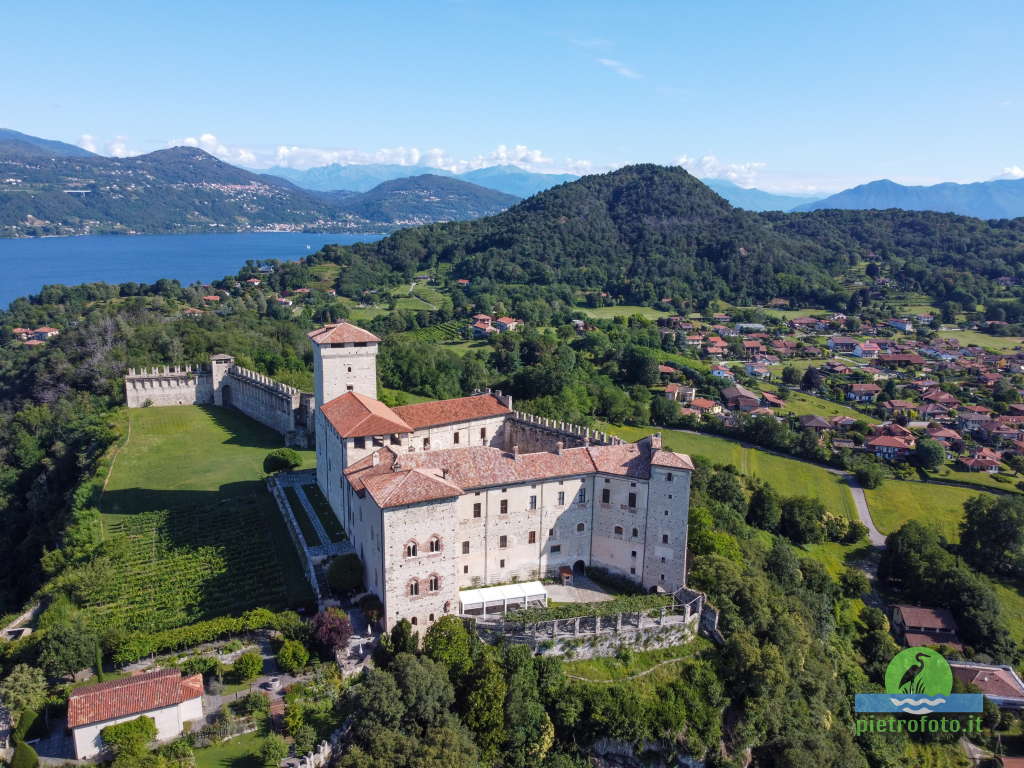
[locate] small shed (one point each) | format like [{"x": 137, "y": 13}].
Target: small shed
[{"x": 501, "y": 599}]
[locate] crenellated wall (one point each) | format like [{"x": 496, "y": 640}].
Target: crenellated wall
[
  {"x": 537, "y": 433},
  {"x": 284, "y": 409}
]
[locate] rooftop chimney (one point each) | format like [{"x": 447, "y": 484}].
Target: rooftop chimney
[
  {"x": 376, "y": 458},
  {"x": 656, "y": 441}
]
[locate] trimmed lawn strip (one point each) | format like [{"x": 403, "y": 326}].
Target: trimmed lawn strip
[
  {"x": 324, "y": 512},
  {"x": 308, "y": 531},
  {"x": 895, "y": 502},
  {"x": 997, "y": 343},
  {"x": 240, "y": 752},
  {"x": 623, "y": 310}
]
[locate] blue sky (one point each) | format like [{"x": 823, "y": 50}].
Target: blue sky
[{"x": 790, "y": 96}]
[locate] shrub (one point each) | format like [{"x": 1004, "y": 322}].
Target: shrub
[
  {"x": 248, "y": 666},
  {"x": 24, "y": 756},
  {"x": 854, "y": 583},
  {"x": 857, "y": 532},
  {"x": 131, "y": 737},
  {"x": 331, "y": 630},
  {"x": 293, "y": 656},
  {"x": 28, "y": 718},
  {"x": 274, "y": 749},
  {"x": 281, "y": 460},
  {"x": 304, "y": 739},
  {"x": 345, "y": 574}
]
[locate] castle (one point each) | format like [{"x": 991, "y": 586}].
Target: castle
[{"x": 442, "y": 496}]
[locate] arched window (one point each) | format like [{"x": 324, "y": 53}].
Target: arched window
[
  {"x": 410, "y": 549},
  {"x": 414, "y": 588},
  {"x": 414, "y": 621},
  {"x": 618, "y": 530},
  {"x": 434, "y": 583},
  {"x": 435, "y": 544},
  {"x": 580, "y": 527}
]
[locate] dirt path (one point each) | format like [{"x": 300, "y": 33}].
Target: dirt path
[{"x": 630, "y": 677}]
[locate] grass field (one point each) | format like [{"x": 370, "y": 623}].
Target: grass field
[
  {"x": 996, "y": 343},
  {"x": 193, "y": 532},
  {"x": 614, "y": 669},
  {"x": 305, "y": 524},
  {"x": 981, "y": 479},
  {"x": 801, "y": 403},
  {"x": 448, "y": 331},
  {"x": 324, "y": 512},
  {"x": 240, "y": 752},
  {"x": 790, "y": 477},
  {"x": 895, "y": 502},
  {"x": 365, "y": 314},
  {"x": 623, "y": 310}
]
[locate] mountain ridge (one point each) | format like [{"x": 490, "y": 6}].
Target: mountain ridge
[{"x": 997, "y": 199}]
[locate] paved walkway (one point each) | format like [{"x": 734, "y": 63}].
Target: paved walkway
[
  {"x": 860, "y": 501},
  {"x": 582, "y": 590}
]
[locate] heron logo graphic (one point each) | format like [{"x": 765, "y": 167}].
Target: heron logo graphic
[{"x": 918, "y": 681}]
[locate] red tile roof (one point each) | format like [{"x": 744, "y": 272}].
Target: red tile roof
[
  {"x": 437, "y": 412},
  {"x": 990, "y": 679},
  {"x": 341, "y": 333},
  {"x": 670, "y": 459},
  {"x": 357, "y": 415},
  {"x": 399, "y": 489},
  {"x": 131, "y": 696}
]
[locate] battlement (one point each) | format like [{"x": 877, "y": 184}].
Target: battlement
[
  {"x": 259, "y": 379},
  {"x": 532, "y": 432},
  {"x": 166, "y": 371}
]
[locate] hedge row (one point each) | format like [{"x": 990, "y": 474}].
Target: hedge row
[
  {"x": 136, "y": 645},
  {"x": 623, "y": 604}
]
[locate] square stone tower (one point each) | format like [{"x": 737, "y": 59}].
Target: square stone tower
[{"x": 344, "y": 360}]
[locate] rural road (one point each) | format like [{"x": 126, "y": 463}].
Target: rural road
[{"x": 876, "y": 537}]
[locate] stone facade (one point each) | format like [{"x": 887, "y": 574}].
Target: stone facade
[
  {"x": 223, "y": 383},
  {"x": 504, "y": 496}
]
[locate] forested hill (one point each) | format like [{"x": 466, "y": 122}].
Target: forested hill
[
  {"x": 426, "y": 198},
  {"x": 647, "y": 232}
]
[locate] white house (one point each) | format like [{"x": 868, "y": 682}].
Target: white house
[{"x": 167, "y": 697}]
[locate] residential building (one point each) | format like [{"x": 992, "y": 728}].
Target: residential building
[{"x": 914, "y": 625}]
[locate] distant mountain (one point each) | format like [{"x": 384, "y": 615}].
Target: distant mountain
[
  {"x": 356, "y": 178},
  {"x": 426, "y": 198},
  {"x": 515, "y": 181},
  {"x": 983, "y": 199},
  {"x": 755, "y": 199},
  {"x": 51, "y": 147},
  {"x": 509, "y": 179},
  {"x": 183, "y": 189}
]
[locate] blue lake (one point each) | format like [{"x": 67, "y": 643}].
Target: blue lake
[{"x": 27, "y": 264}]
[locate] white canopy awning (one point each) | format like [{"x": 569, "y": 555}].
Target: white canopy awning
[{"x": 502, "y": 595}]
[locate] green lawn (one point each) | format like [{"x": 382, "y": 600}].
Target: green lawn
[
  {"x": 996, "y": 343},
  {"x": 240, "y": 752},
  {"x": 365, "y": 314},
  {"x": 305, "y": 524},
  {"x": 623, "y": 310},
  {"x": 462, "y": 347},
  {"x": 613, "y": 669},
  {"x": 324, "y": 512},
  {"x": 801, "y": 403},
  {"x": 194, "y": 532},
  {"x": 895, "y": 502},
  {"x": 981, "y": 479},
  {"x": 790, "y": 477},
  {"x": 1011, "y": 599}
]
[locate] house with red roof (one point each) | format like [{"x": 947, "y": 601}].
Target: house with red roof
[
  {"x": 863, "y": 392},
  {"x": 914, "y": 625},
  {"x": 889, "y": 448},
  {"x": 167, "y": 697}
]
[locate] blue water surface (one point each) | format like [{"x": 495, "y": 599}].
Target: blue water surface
[{"x": 27, "y": 264}]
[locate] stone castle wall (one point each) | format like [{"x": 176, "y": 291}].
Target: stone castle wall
[
  {"x": 284, "y": 409},
  {"x": 537, "y": 433}
]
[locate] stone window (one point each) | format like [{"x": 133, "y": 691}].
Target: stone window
[
  {"x": 533, "y": 502},
  {"x": 668, "y": 476},
  {"x": 483, "y": 433},
  {"x": 501, "y": 563},
  {"x": 410, "y": 549},
  {"x": 504, "y": 506},
  {"x": 465, "y": 569},
  {"x": 666, "y": 513},
  {"x": 359, "y": 442},
  {"x": 350, "y": 369},
  {"x": 465, "y": 547},
  {"x": 664, "y": 538},
  {"x": 426, "y": 443},
  {"x": 349, "y": 388},
  {"x": 476, "y": 509},
  {"x": 502, "y": 542},
  {"x": 580, "y": 527},
  {"x": 556, "y": 548},
  {"x": 431, "y": 617},
  {"x": 618, "y": 530},
  {"x": 551, "y": 532},
  {"x": 663, "y": 559},
  {"x": 414, "y": 621},
  {"x": 378, "y": 441},
  {"x": 561, "y": 498},
  {"x": 632, "y": 485},
  {"x": 414, "y": 588},
  {"x": 434, "y": 582},
  {"x": 663, "y": 577},
  {"x": 606, "y": 495},
  {"x": 455, "y": 438},
  {"x": 632, "y": 500},
  {"x": 581, "y": 497},
  {"x": 636, "y": 533},
  {"x": 606, "y": 481},
  {"x": 633, "y": 554},
  {"x": 396, "y": 440},
  {"x": 435, "y": 544},
  {"x": 533, "y": 537},
  {"x": 633, "y": 571}
]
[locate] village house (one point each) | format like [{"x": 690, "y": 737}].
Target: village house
[
  {"x": 888, "y": 447},
  {"x": 901, "y": 324},
  {"x": 843, "y": 344},
  {"x": 740, "y": 398},
  {"x": 164, "y": 695},
  {"x": 913, "y": 625},
  {"x": 863, "y": 393},
  {"x": 681, "y": 393},
  {"x": 866, "y": 349},
  {"x": 814, "y": 423},
  {"x": 45, "y": 333},
  {"x": 999, "y": 683},
  {"x": 721, "y": 372},
  {"x": 894, "y": 408},
  {"x": 705, "y": 407}
]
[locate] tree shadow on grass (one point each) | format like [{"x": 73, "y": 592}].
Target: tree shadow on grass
[{"x": 243, "y": 430}]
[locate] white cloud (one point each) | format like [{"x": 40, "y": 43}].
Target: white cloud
[
  {"x": 1010, "y": 172},
  {"x": 710, "y": 167},
  {"x": 118, "y": 147},
  {"x": 619, "y": 68},
  {"x": 208, "y": 142},
  {"x": 87, "y": 142}
]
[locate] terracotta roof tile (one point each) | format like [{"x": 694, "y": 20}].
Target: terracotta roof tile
[
  {"x": 357, "y": 415},
  {"x": 131, "y": 696},
  {"x": 434, "y": 413},
  {"x": 670, "y": 459},
  {"x": 412, "y": 486},
  {"x": 340, "y": 333}
]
